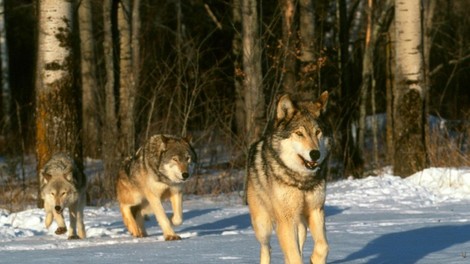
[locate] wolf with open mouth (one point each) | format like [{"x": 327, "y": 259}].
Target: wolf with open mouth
[{"x": 285, "y": 184}]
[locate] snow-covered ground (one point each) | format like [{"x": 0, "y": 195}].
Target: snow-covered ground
[{"x": 385, "y": 219}]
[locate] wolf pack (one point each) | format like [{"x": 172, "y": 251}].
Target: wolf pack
[{"x": 285, "y": 182}]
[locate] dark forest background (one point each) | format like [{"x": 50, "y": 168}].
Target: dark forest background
[{"x": 189, "y": 69}]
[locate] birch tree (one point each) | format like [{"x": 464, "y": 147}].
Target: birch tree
[
  {"x": 409, "y": 91},
  {"x": 253, "y": 89},
  {"x": 57, "y": 115}
]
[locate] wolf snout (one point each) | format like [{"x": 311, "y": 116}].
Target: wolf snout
[
  {"x": 185, "y": 175},
  {"x": 314, "y": 154},
  {"x": 58, "y": 208}
]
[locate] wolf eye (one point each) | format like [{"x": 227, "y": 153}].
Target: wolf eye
[
  {"x": 299, "y": 133},
  {"x": 64, "y": 193},
  {"x": 317, "y": 132},
  {"x": 175, "y": 159}
]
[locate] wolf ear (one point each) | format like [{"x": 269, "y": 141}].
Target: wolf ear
[
  {"x": 46, "y": 177},
  {"x": 188, "y": 138},
  {"x": 68, "y": 176},
  {"x": 285, "y": 107},
  {"x": 322, "y": 101},
  {"x": 164, "y": 141}
]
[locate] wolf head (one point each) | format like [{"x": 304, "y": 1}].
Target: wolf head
[
  {"x": 300, "y": 134},
  {"x": 173, "y": 156},
  {"x": 58, "y": 190},
  {"x": 59, "y": 194}
]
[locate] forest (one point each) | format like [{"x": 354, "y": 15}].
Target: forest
[{"x": 95, "y": 78}]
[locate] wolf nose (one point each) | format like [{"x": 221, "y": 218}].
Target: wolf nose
[
  {"x": 185, "y": 175},
  {"x": 314, "y": 154},
  {"x": 57, "y": 208}
]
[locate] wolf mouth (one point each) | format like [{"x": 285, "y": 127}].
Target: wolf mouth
[{"x": 311, "y": 165}]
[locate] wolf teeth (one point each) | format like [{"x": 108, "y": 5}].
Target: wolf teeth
[{"x": 309, "y": 164}]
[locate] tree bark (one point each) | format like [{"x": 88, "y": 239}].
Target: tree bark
[
  {"x": 307, "y": 57},
  {"x": 110, "y": 159},
  {"x": 409, "y": 93},
  {"x": 352, "y": 160},
  {"x": 57, "y": 115},
  {"x": 127, "y": 85},
  {"x": 288, "y": 41},
  {"x": 237, "y": 50},
  {"x": 253, "y": 88},
  {"x": 5, "y": 79},
  {"x": 90, "y": 105}
]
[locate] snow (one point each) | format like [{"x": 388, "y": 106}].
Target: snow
[{"x": 424, "y": 218}]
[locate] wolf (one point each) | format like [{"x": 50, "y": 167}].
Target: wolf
[
  {"x": 156, "y": 172},
  {"x": 64, "y": 186},
  {"x": 285, "y": 182}
]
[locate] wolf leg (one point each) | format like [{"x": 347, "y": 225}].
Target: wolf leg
[
  {"x": 140, "y": 219},
  {"x": 161, "y": 217},
  {"x": 302, "y": 234},
  {"x": 80, "y": 224},
  {"x": 49, "y": 218},
  {"x": 316, "y": 223},
  {"x": 176, "y": 199},
  {"x": 263, "y": 227},
  {"x": 288, "y": 234},
  {"x": 73, "y": 222},
  {"x": 59, "y": 218},
  {"x": 129, "y": 221}
]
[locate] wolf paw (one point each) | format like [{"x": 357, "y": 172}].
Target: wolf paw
[
  {"x": 61, "y": 230},
  {"x": 73, "y": 237},
  {"x": 172, "y": 237}
]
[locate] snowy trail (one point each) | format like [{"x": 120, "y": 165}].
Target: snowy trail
[{"x": 422, "y": 219}]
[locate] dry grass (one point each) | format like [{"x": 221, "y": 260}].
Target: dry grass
[
  {"x": 217, "y": 173},
  {"x": 449, "y": 148}
]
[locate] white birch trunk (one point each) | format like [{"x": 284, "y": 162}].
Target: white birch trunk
[
  {"x": 409, "y": 122},
  {"x": 54, "y": 29},
  {"x": 57, "y": 113},
  {"x": 409, "y": 60}
]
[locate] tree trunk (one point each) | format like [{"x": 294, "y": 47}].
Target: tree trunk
[
  {"x": 90, "y": 105},
  {"x": 352, "y": 160},
  {"x": 6, "y": 91},
  {"x": 409, "y": 120},
  {"x": 253, "y": 88},
  {"x": 308, "y": 66},
  {"x": 6, "y": 111},
  {"x": 57, "y": 114},
  {"x": 374, "y": 29},
  {"x": 288, "y": 41},
  {"x": 127, "y": 85},
  {"x": 390, "y": 76},
  {"x": 240, "y": 113},
  {"x": 110, "y": 159}
]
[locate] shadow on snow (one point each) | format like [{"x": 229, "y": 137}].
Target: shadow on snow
[{"x": 410, "y": 246}]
